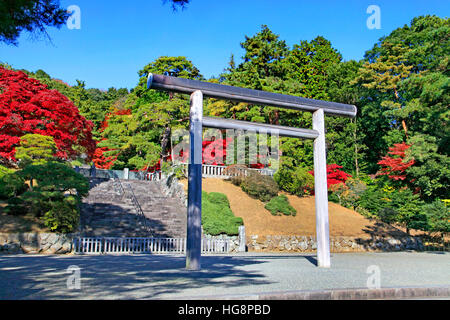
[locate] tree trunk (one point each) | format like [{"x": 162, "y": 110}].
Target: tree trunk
[
  {"x": 277, "y": 117},
  {"x": 405, "y": 128},
  {"x": 165, "y": 142}
]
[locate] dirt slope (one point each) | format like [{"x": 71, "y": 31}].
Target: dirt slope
[{"x": 257, "y": 220}]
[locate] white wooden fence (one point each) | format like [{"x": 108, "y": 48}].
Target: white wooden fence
[
  {"x": 153, "y": 176},
  {"x": 104, "y": 245},
  {"x": 208, "y": 171}
]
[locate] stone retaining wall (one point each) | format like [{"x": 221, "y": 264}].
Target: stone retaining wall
[
  {"x": 53, "y": 243},
  {"x": 171, "y": 187},
  {"x": 337, "y": 244},
  {"x": 43, "y": 243}
]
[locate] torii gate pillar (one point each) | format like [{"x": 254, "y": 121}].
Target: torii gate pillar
[
  {"x": 194, "y": 210},
  {"x": 321, "y": 191}
]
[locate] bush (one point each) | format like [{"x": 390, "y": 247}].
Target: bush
[
  {"x": 54, "y": 197},
  {"x": 217, "y": 217},
  {"x": 260, "y": 187},
  {"x": 169, "y": 168},
  {"x": 280, "y": 204},
  {"x": 11, "y": 185},
  {"x": 16, "y": 207},
  {"x": 394, "y": 206},
  {"x": 296, "y": 181},
  {"x": 63, "y": 216},
  {"x": 236, "y": 173},
  {"x": 237, "y": 180},
  {"x": 347, "y": 194},
  {"x": 218, "y": 198},
  {"x": 55, "y": 176},
  {"x": 37, "y": 203},
  {"x": 372, "y": 201},
  {"x": 5, "y": 170},
  {"x": 438, "y": 217}
]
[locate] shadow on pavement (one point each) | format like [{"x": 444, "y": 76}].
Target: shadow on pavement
[{"x": 126, "y": 276}]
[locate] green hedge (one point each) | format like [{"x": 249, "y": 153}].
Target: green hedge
[
  {"x": 279, "y": 205},
  {"x": 217, "y": 217},
  {"x": 296, "y": 181},
  {"x": 260, "y": 187}
]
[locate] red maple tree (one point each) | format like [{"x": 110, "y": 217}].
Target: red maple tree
[
  {"x": 334, "y": 175},
  {"x": 394, "y": 166},
  {"x": 28, "y": 106}
]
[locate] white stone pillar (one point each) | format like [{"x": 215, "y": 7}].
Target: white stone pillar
[{"x": 321, "y": 191}]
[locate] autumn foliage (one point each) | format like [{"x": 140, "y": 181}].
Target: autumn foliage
[
  {"x": 29, "y": 107},
  {"x": 335, "y": 175},
  {"x": 394, "y": 166}
]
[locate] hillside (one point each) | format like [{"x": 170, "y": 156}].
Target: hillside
[{"x": 259, "y": 221}]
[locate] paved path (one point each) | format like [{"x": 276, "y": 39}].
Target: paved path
[{"x": 164, "y": 277}]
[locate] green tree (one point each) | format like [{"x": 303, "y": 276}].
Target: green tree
[
  {"x": 179, "y": 67},
  {"x": 56, "y": 177},
  {"x": 385, "y": 74},
  {"x": 35, "y": 149},
  {"x": 430, "y": 174},
  {"x": 438, "y": 218},
  {"x": 55, "y": 198},
  {"x": 141, "y": 137},
  {"x": 30, "y": 15},
  {"x": 345, "y": 139},
  {"x": 309, "y": 64},
  {"x": 416, "y": 60}
]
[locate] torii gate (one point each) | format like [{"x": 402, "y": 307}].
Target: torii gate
[{"x": 199, "y": 89}]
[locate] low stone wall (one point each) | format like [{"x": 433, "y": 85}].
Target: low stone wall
[
  {"x": 171, "y": 187},
  {"x": 337, "y": 244},
  {"x": 43, "y": 243}
]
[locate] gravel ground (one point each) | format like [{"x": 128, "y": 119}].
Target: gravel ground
[{"x": 164, "y": 277}]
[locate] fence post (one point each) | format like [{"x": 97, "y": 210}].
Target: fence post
[
  {"x": 126, "y": 173},
  {"x": 242, "y": 246},
  {"x": 194, "y": 210},
  {"x": 93, "y": 171}
]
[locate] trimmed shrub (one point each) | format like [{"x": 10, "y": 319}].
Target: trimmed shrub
[
  {"x": 11, "y": 185},
  {"x": 260, "y": 187},
  {"x": 55, "y": 176},
  {"x": 296, "y": 181},
  {"x": 280, "y": 204},
  {"x": 63, "y": 215},
  {"x": 217, "y": 217},
  {"x": 47, "y": 197},
  {"x": 218, "y": 198}
]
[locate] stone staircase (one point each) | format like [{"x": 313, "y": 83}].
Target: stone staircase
[{"x": 107, "y": 212}]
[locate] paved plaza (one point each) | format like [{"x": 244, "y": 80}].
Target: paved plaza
[{"x": 235, "y": 276}]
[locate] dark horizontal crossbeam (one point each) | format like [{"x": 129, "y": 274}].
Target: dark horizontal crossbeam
[
  {"x": 220, "y": 91},
  {"x": 259, "y": 127}
]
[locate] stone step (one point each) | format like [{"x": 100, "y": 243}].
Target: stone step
[{"x": 106, "y": 212}]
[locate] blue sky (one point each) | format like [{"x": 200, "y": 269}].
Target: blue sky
[{"x": 117, "y": 38}]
